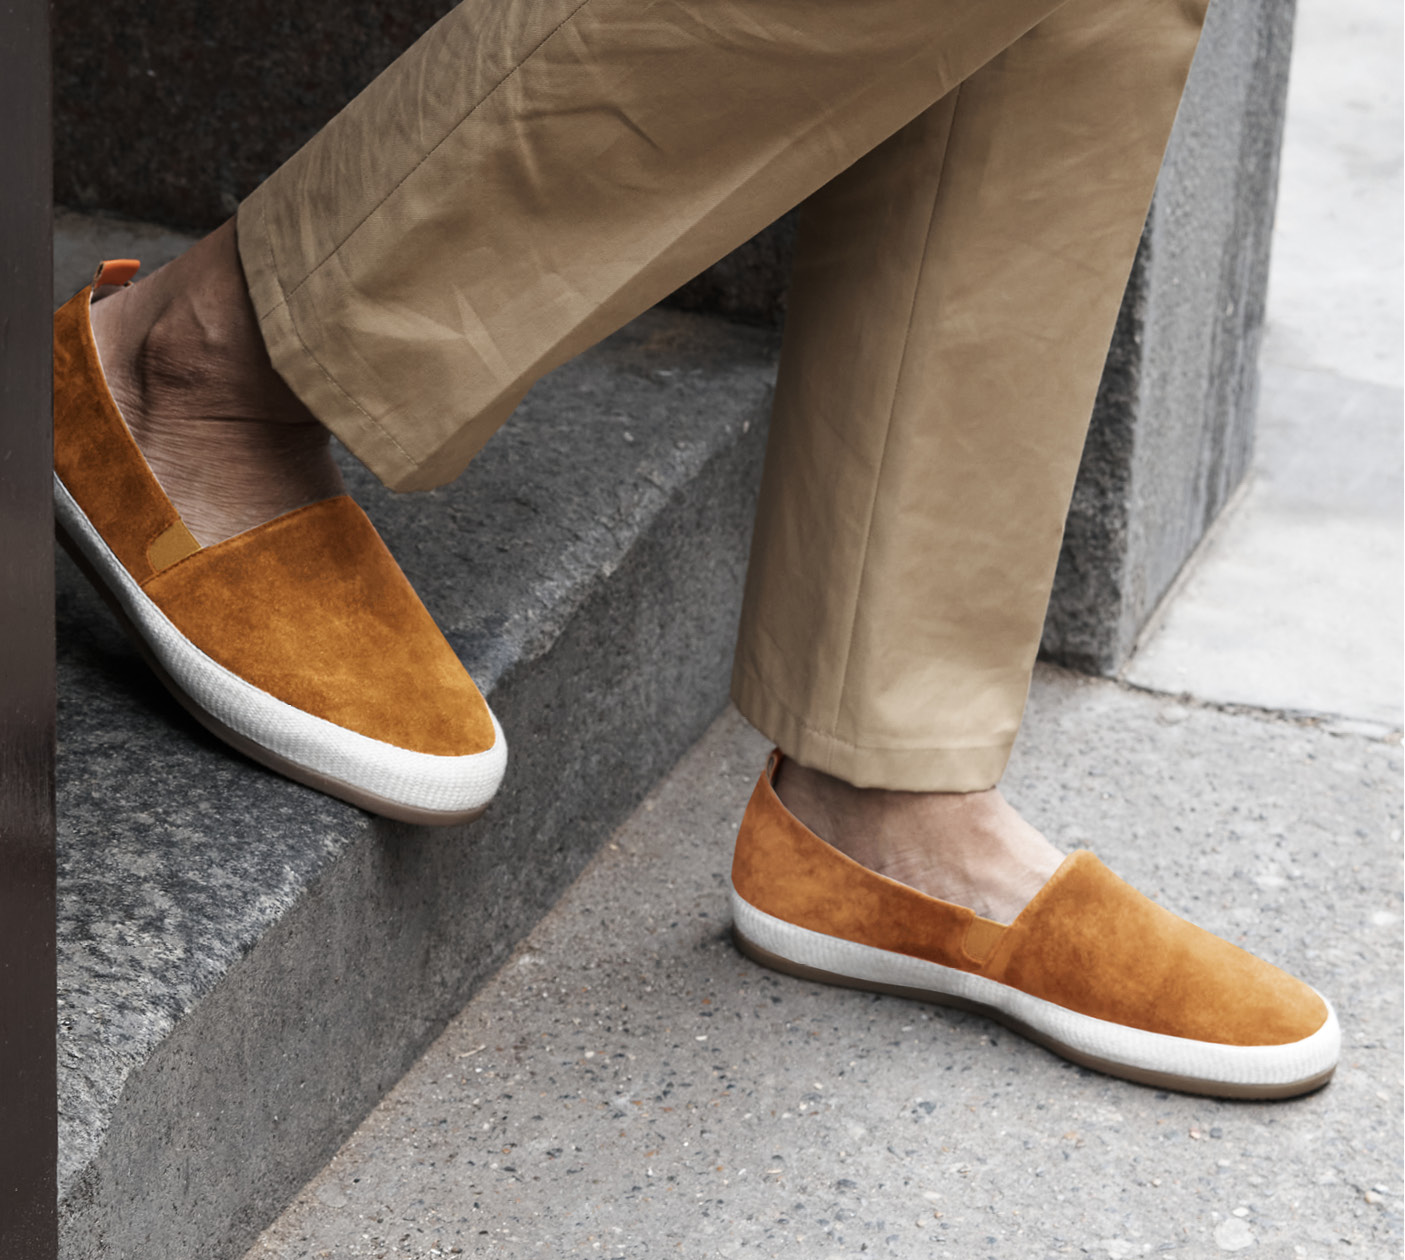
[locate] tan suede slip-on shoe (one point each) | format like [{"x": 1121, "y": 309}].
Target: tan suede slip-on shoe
[
  {"x": 1090, "y": 968},
  {"x": 299, "y": 642}
]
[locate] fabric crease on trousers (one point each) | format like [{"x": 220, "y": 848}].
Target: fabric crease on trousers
[{"x": 973, "y": 176}]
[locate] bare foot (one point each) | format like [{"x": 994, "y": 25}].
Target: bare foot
[
  {"x": 971, "y": 848},
  {"x": 229, "y": 442}
]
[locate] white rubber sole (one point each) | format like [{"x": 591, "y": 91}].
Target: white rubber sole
[
  {"x": 1180, "y": 1063},
  {"x": 395, "y": 782}
]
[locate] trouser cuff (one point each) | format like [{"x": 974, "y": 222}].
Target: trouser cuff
[
  {"x": 295, "y": 361},
  {"x": 969, "y": 768}
]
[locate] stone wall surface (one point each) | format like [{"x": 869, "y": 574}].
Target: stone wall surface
[
  {"x": 174, "y": 112},
  {"x": 1173, "y": 427}
]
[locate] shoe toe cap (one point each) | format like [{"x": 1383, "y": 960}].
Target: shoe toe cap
[
  {"x": 312, "y": 610},
  {"x": 1097, "y": 946}
]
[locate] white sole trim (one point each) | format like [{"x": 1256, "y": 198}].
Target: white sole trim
[
  {"x": 414, "y": 786},
  {"x": 1152, "y": 1058}
]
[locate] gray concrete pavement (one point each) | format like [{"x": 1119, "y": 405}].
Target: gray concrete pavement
[
  {"x": 1295, "y": 601},
  {"x": 629, "y": 1086},
  {"x": 1335, "y": 278}
]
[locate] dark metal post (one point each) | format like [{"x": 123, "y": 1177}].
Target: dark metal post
[{"x": 28, "y": 1007}]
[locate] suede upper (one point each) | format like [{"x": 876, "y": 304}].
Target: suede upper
[
  {"x": 313, "y": 609},
  {"x": 94, "y": 454},
  {"x": 1087, "y": 941},
  {"x": 310, "y": 607}
]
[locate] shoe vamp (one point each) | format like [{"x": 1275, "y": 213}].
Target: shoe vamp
[
  {"x": 312, "y": 609},
  {"x": 1097, "y": 946}
]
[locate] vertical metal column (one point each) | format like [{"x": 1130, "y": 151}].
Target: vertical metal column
[{"x": 28, "y": 1006}]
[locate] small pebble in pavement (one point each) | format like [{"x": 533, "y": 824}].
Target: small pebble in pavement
[{"x": 1233, "y": 1234}]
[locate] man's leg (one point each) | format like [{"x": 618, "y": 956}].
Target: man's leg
[
  {"x": 952, "y": 306},
  {"x": 443, "y": 241},
  {"x": 524, "y": 180},
  {"x": 227, "y": 439},
  {"x": 953, "y": 299}
]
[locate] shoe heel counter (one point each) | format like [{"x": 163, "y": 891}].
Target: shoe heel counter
[
  {"x": 95, "y": 456},
  {"x": 753, "y": 854},
  {"x": 782, "y": 868}
]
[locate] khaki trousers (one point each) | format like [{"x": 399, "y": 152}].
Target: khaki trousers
[{"x": 974, "y": 174}]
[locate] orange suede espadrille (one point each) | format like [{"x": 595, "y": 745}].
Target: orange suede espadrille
[
  {"x": 1090, "y": 968},
  {"x": 299, "y": 642}
]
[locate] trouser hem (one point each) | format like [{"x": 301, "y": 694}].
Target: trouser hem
[
  {"x": 971, "y": 767},
  {"x": 295, "y": 362}
]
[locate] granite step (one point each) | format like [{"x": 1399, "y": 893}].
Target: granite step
[{"x": 247, "y": 966}]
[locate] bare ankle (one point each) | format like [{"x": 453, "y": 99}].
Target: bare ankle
[
  {"x": 227, "y": 439},
  {"x": 972, "y": 849},
  {"x": 187, "y": 339}
]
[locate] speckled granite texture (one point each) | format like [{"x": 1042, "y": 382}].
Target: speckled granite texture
[
  {"x": 246, "y": 965},
  {"x": 174, "y": 112}
]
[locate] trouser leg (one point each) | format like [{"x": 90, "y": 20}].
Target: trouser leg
[
  {"x": 534, "y": 173},
  {"x": 954, "y": 296}
]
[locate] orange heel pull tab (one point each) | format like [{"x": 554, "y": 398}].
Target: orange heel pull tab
[{"x": 116, "y": 271}]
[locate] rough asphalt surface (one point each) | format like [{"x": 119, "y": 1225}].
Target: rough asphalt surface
[{"x": 629, "y": 1086}]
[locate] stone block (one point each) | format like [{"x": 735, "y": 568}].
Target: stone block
[
  {"x": 1173, "y": 428},
  {"x": 245, "y": 965}
]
